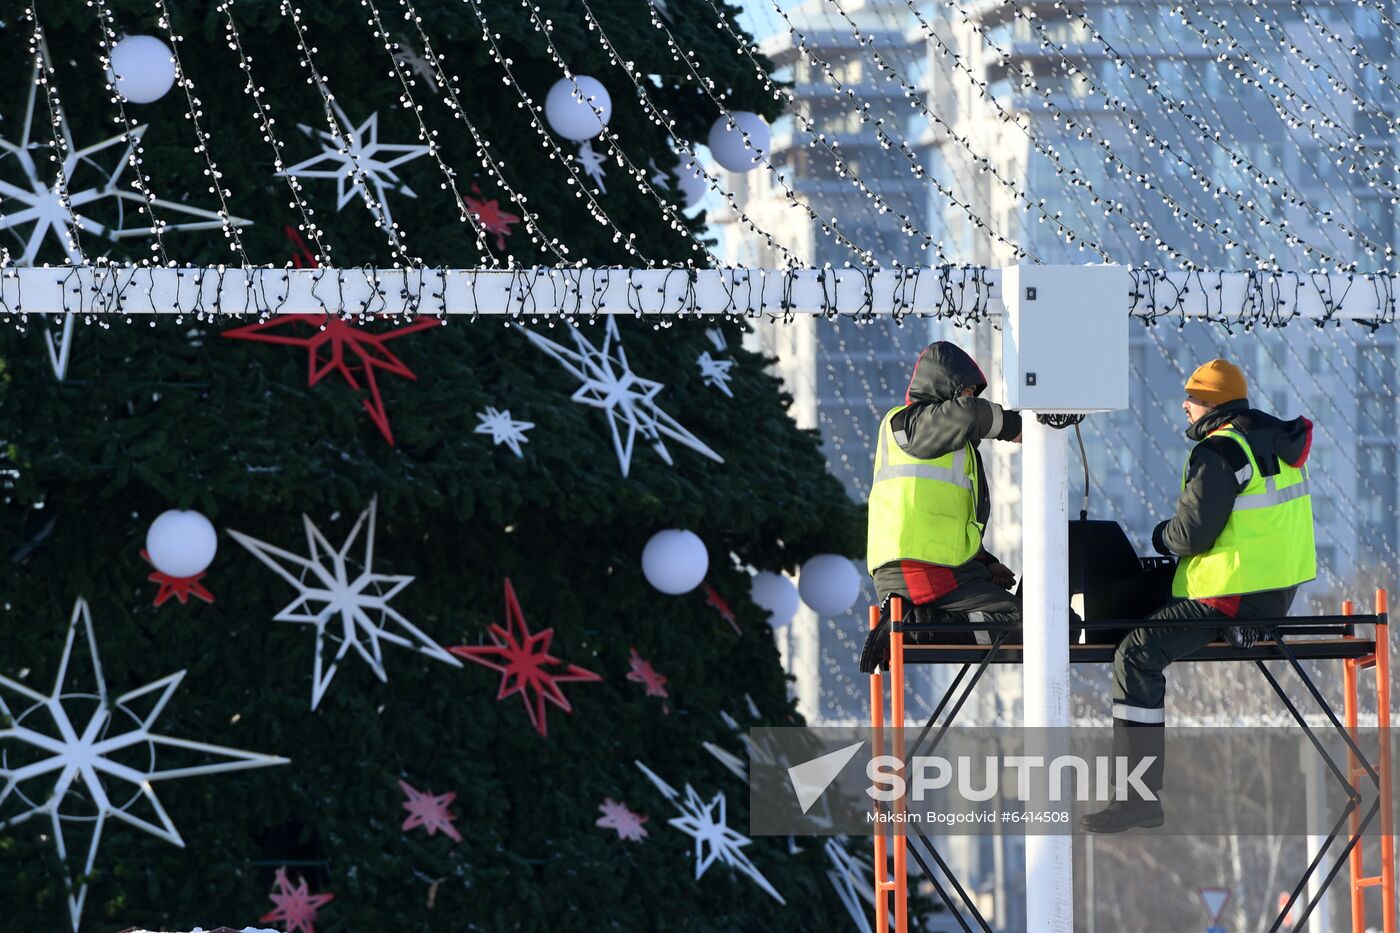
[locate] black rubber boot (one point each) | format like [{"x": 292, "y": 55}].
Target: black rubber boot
[
  {"x": 1121, "y": 815},
  {"x": 1134, "y": 741}
]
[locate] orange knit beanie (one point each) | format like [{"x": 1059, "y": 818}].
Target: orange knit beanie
[{"x": 1217, "y": 382}]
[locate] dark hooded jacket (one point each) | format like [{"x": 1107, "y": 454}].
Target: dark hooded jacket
[
  {"x": 937, "y": 421},
  {"x": 1216, "y": 472}
]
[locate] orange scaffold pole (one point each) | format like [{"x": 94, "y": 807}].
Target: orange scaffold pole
[
  {"x": 1387, "y": 875},
  {"x": 877, "y": 723}
]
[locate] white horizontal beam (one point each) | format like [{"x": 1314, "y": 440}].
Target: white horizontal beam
[{"x": 961, "y": 292}]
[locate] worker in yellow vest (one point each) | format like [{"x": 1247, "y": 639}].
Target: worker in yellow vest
[
  {"x": 929, "y": 501},
  {"x": 1243, "y": 536}
]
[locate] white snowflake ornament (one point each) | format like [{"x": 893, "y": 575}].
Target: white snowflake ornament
[
  {"x": 357, "y": 158},
  {"x": 344, "y": 600},
  {"x": 503, "y": 429},
  {"x": 715, "y": 841},
  {"x": 607, "y": 382},
  {"x": 83, "y": 756}
]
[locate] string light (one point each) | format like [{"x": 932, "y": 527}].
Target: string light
[
  {"x": 843, "y": 169},
  {"x": 58, "y": 151},
  {"x": 107, "y": 38},
  {"x": 494, "y": 169},
  {"x": 1208, "y": 133},
  {"x": 362, "y": 182},
  {"x": 266, "y": 122},
  {"x": 429, "y": 138},
  {"x": 193, "y": 113}
]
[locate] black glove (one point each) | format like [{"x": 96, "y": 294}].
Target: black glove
[
  {"x": 1244, "y": 636},
  {"x": 876, "y": 652},
  {"x": 1159, "y": 545}
]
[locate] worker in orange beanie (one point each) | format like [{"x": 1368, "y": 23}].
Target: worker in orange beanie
[{"x": 1242, "y": 534}]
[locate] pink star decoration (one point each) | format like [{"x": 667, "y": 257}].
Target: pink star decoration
[
  {"x": 712, "y": 598},
  {"x": 181, "y": 588},
  {"x": 295, "y": 906},
  {"x": 522, "y": 657},
  {"x": 643, "y": 673},
  {"x": 492, "y": 218},
  {"x": 429, "y": 811},
  {"x": 334, "y": 345},
  {"x": 617, "y": 816}
]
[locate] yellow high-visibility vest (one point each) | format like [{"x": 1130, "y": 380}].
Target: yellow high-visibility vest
[
  {"x": 1268, "y": 542},
  {"x": 924, "y": 510}
]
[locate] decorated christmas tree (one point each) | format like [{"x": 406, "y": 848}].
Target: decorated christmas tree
[{"x": 424, "y": 665}]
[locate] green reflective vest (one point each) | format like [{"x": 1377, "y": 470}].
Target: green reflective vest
[
  {"x": 1268, "y": 542},
  {"x": 924, "y": 510}
]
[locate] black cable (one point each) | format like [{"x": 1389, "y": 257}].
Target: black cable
[
  {"x": 1084, "y": 459},
  {"x": 1059, "y": 421}
]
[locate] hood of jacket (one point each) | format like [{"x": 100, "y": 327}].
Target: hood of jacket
[
  {"x": 1289, "y": 441},
  {"x": 941, "y": 373}
]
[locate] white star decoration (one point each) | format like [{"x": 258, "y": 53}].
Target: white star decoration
[
  {"x": 609, "y": 383},
  {"x": 716, "y": 372},
  {"x": 851, "y": 877},
  {"x": 714, "y": 840},
  {"x": 405, "y": 55},
  {"x": 39, "y": 201},
  {"x": 356, "y": 159},
  {"x": 72, "y": 751},
  {"x": 770, "y": 760},
  {"x": 346, "y": 601},
  {"x": 592, "y": 163},
  {"x": 503, "y": 429}
]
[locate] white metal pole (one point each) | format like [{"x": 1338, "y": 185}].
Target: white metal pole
[
  {"x": 1320, "y": 921},
  {"x": 1045, "y": 673}
]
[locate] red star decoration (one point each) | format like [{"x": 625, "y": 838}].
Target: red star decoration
[
  {"x": 181, "y": 588},
  {"x": 295, "y": 906},
  {"x": 429, "y": 811},
  {"x": 712, "y": 598},
  {"x": 643, "y": 673},
  {"x": 335, "y": 345},
  {"x": 492, "y": 217},
  {"x": 302, "y": 258},
  {"x": 522, "y": 657}
]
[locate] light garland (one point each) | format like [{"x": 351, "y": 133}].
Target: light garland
[
  {"x": 449, "y": 84},
  {"x": 429, "y": 138},
  {"x": 265, "y": 121},
  {"x": 1207, "y": 132},
  {"x": 193, "y": 113},
  {"x": 843, "y": 169},
  {"x": 107, "y": 38},
  {"x": 382, "y": 219}
]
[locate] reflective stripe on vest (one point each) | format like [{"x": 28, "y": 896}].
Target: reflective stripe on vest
[
  {"x": 922, "y": 510},
  {"x": 1267, "y": 543}
]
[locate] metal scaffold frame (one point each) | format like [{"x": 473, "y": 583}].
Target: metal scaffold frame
[{"x": 1340, "y": 642}]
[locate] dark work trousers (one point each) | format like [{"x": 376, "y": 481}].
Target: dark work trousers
[
  {"x": 1139, "y": 665},
  {"x": 982, "y": 600}
]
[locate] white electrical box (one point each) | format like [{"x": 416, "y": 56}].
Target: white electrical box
[{"x": 1064, "y": 338}]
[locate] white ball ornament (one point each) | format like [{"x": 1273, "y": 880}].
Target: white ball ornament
[
  {"x": 181, "y": 544},
  {"x": 143, "y": 69},
  {"x": 775, "y": 593},
  {"x": 829, "y": 584},
  {"x": 570, "y": 111},
  {"x": 675, "y": 561},
  {"x": 690, "y": 183},
  {"x": 728, "y": 146}
]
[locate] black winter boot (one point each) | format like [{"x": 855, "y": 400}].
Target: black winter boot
[
  {"x": 1121, "y": 815},
  {"x": 1134, "y": 742}
]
